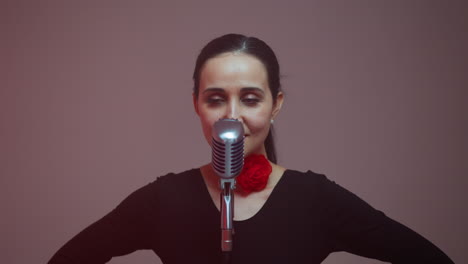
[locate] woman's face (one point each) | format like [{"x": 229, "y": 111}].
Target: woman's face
[{"x": 235, "y": 85}]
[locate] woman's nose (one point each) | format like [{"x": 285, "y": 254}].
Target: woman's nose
[{"x": 232, "y": 111}]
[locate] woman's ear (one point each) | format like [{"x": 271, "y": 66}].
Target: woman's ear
[
  {"x": 277, "y": 105},
  {"x": 195, "y": 102}
]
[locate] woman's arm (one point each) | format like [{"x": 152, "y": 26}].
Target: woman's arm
[
  {"x": 126, "y": 229},
  {"x": 362, "y": 230}
]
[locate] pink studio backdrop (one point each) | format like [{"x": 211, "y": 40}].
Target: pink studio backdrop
[{"x": 95, "y": 102}]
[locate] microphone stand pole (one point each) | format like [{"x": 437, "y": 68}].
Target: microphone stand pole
[{"x": 227, "y": 215}]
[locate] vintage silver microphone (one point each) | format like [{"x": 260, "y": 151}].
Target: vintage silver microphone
[{"x": 227, "y": 161}]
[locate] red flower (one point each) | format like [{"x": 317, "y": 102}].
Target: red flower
[{"x": 255, "y": 174}]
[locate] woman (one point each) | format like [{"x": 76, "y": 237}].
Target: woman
[{"x": 281, "y": 215}]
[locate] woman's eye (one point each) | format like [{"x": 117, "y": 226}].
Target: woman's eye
[
  {"x": 251, "y": 101},
  {"x": 214, "y": 100}
]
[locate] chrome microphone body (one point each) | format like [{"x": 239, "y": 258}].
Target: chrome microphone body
[
  {"x": 228, "y": 148},
  {"x": 227, "y": 162}
]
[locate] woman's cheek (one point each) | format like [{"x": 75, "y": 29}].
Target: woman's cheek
[{"x": 260, "y": 129}]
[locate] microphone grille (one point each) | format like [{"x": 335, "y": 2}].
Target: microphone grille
[{"x": 228, "y": 148}]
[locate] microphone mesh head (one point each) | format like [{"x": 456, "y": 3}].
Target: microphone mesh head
[{"x": 228, "y": 148}]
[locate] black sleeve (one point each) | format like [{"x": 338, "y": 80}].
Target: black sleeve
[
  {"x": 362, "y": 230},
  {"x": 126, "y": 229}
]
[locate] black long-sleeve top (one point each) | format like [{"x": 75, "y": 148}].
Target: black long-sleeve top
[{"x": 306, "y": 218}]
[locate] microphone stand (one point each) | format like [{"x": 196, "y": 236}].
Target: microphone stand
[{"x": 227, "y": 215}]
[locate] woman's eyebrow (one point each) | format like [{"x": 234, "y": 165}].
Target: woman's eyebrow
[
  {"x": 243, "y": 90},
  {"x": 213, "y": 89},
  {"x": 252, "y": 89}
]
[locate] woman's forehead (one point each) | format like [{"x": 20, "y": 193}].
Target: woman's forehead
[{"x": 233, "y": 70}]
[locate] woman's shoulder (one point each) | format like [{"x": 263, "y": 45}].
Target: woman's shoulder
[
  {"x": 313, "y": 184},
  {"x": 171, "y": 181},
  {"x": 304, "y": 178},
  {"x": 167, "y": 183},
  {"x": 172, "y": 177},
  {"x": 165, "y": 188}
]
